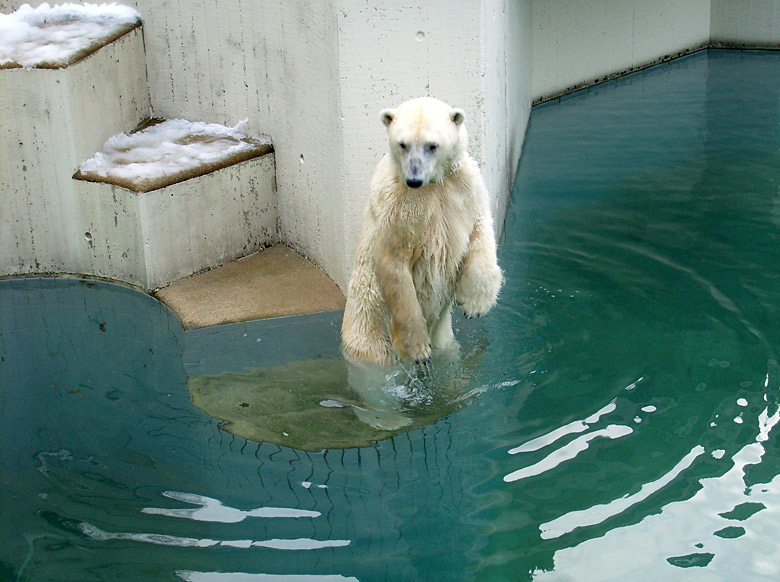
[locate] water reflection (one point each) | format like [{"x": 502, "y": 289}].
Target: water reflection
[
  {"x": 568, "y": 452},
  {"x": 574, "y": 427},
  {"x": 729, "y": 524},
  {"x": 244, "y": 577},
  {"x": 600, "y": 513},
  {"x": 213, "y": 510},
  {"x": 95, "y": 533}
]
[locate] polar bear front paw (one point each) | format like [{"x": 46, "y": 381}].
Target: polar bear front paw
[
  {"x": 411, "y": 341},
  {"x": 476, "y": 292}
]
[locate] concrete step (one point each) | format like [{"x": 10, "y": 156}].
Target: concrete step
[
  {"x": 175, "y": 198},
  {"x": 273, "y": 283},
  {"x": 69, "y": 79},
  {"x": 73, "y": 82}
]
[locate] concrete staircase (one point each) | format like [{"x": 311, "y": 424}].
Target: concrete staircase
[{"x": 55, "y": 218}]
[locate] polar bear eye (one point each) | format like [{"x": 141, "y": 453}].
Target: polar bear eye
[
  {"x": 432, "y": 147},
  {"x": 402, "y": 145}
]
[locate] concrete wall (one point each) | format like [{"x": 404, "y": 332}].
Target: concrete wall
[
  {"x": 274, "y": 62},
  {"x": 313, "y": 78},
  {"x": 507, "y": 32},
  {"x": 751, "y": 23},
  {"x": 579, "y": 41}
]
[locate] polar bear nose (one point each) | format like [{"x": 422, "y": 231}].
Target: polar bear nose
[{"x": 413, "y": 182}]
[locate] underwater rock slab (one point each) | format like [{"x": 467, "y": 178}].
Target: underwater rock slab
[
  {"x": 283, "y": 405},
  {"x": 310, "y": 405}
]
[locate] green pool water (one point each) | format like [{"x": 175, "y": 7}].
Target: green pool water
[{"x": 615, "y": 417}]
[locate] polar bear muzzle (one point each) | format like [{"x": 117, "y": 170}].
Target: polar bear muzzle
[{"x": 417, "y": 164}]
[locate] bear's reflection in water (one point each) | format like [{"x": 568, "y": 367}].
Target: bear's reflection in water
[{"x": 331, "y": 403}]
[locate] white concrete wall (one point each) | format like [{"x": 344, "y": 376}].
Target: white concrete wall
[
  {"x": 275, "y": 63},
  {"x": 152, "y": 238},
  {"x": 753, "y": 23},
  {"x": 313, "y": 77},
  {"x": 576, "y": 42},
  {"x": 507, "y": 47}
]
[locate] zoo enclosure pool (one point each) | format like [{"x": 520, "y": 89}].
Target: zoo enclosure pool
[{"x": 624, "y": 397}]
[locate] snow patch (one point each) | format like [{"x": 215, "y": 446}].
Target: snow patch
[
  {"x": 55, "y": 36},
  {"x": 168, "y": 152}
]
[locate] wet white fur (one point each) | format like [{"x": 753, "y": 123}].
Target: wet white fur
[{"x": 438, "y": 237}]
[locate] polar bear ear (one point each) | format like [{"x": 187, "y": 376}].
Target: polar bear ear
[
  {"x": 457, "y": 116},
  {"x": 387, "y": 116}
]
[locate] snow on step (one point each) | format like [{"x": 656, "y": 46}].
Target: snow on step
[
  {"x": 172, "y": 199},
  {"x": 168, "y": 152},
  {"x": 56, "y": 36}
]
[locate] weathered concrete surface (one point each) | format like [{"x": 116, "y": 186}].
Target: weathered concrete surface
[
  {"x": 746, "y": 23},
  {"x": 577, "y": 42},
  {"x": 152, "y": 238},
  {"x": 313, "y": 76},
  {"x": 273, "y": 283},
  {"x": 52, "y": 120}
]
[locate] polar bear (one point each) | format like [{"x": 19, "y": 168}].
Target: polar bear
[{"x": 426, "y": 240}]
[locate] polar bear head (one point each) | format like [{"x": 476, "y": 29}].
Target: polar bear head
[{"x": 427, "y": 137}]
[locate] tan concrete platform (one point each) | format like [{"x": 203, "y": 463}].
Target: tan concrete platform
[{"x": 272, "y": 283}]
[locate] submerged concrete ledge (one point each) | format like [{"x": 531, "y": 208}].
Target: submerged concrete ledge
[{"x": 274, "y": 283}]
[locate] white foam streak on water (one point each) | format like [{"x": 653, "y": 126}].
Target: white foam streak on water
[
  {"x": 572, "y": 428},
  {"x": 568, "y": 452},
  {"x": 189, "y": 576},
  {"x": 213, "y": 510},
  {"x": 96, "y": 533}
]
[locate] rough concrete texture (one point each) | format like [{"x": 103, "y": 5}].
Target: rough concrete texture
[
  {"x": 152, "y": 238},
  {"x": 52, "y": 120},
  {"x": 272, "y": 283}
]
